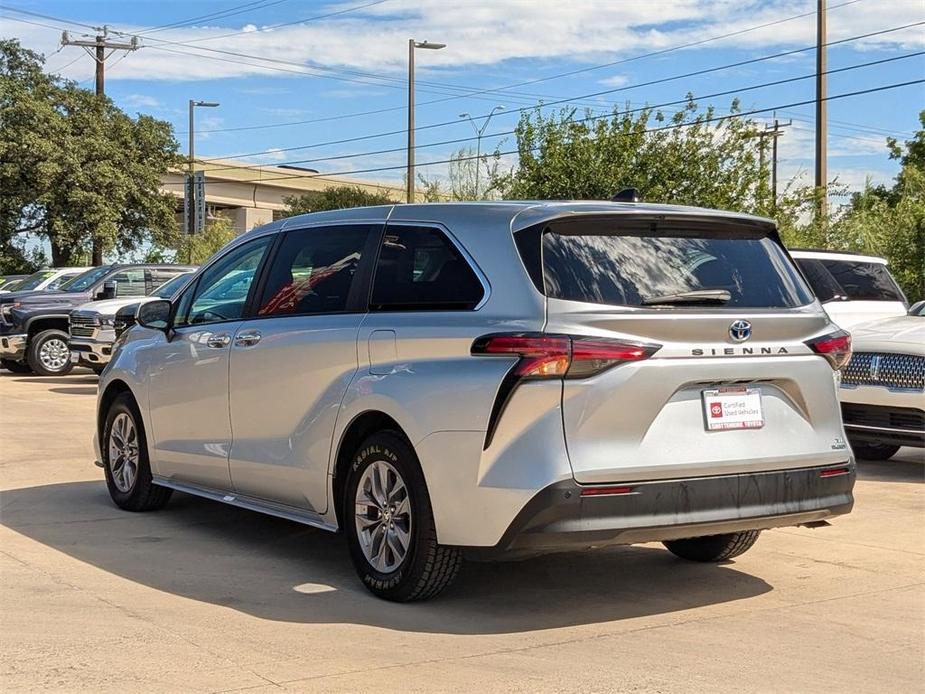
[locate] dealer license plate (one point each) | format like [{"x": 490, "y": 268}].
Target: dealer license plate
[{"x": 732, "y": 408}]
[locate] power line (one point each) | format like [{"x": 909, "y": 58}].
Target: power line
[
  {"x": 610, "y": 91},
  {"x": 711, "y": 119},
  {"x": 598, "y": 117},
  {"x": 569, "y": 100},
  {"x": 292, "y": 23},
  {"x": 219, "y": 14}
]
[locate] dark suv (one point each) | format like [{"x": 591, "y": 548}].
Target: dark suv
[{"x": 34, "y": 325}]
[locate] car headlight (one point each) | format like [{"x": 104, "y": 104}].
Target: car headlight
[{"x": 108, "y": 321}]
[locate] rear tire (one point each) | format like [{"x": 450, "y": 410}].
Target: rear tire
[
  {"x": 386, "y": 507},
  {"x": 125, "y": 459},
  {"x": 48, "y": 353},
  {"x": 713, "y": 548},
  {"x": 874, "y": 451},
  {"x": 16, "y": 367}
]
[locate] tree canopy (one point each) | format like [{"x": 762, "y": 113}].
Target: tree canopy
[
  {"x": 75, "y": 169},
  {"x": 334, "y": 198},
  {"x": 689, "y": 157}
]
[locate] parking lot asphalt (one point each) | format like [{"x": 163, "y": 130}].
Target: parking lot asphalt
[{"x": 202, "y": 597}]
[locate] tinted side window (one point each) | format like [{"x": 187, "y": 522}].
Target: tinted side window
[
  {"x": 863, "y": 281},
  {"x": 824, "y": 285},
  {"x": 419, "y": 269},
  {"x": 160, "y": 276},
  {"x": 313, "y": 271},
  {"x": 129, "y": 283},
  {"x": 222, "y": 290}
]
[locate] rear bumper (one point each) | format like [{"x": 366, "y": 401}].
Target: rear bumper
[
  {"x": 561, "y": 518},
  {"x": 13, "y": 347}
]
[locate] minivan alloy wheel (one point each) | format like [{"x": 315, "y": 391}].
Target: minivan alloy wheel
[
  {"x": 383, "y": 516},
  {"x": 54, "y": 354},
  {"x": 123, "y": 452}
]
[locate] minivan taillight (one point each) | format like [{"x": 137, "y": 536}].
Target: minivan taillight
[
  {"x": 562, "y": 356},
  {"x": 836, "y": 347},
  {"x": 541, "y": 356}
]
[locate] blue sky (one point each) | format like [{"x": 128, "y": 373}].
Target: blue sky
[{"x": 332, "y": 60}]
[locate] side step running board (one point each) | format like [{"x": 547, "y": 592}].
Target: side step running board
[{"x": 271, "y": 508}]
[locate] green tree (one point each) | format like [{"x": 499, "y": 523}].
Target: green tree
[
  {"x": 75, "y": 169},
  {"x": 881, "y": 220},
  {"x": 195, "y": 249},
  {"x": 334, "y": 198},
  {"x": 689, "y": 157}
]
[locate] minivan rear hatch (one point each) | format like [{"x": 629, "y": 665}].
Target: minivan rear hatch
[{"x": 731, "y": 322}]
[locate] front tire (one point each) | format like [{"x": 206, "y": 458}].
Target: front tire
[
  {"x": 16, "y": 367},
  {"x": 390, "y": 526},
  {"x": 713, "y": 548},
  {"x": 48, "y": 353},
  {"x": 874, "y": 451},
  {"x": 125, "y": 459}
]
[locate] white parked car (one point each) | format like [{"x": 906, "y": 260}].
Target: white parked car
[
  {"x": 883, "y": 387},
  {"x": 46, "y": 280},
  {"x": 853, "y": 288}
]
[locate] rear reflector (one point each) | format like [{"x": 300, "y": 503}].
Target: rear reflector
[
  {"x": 835, "y": 472},
  {"x": 836, "y": 347},
  {"x": 606, "y": 491}
]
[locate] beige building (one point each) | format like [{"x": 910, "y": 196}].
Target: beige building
[{"x": 248, "y": 195}]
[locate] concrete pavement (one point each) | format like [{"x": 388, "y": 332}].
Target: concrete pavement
[{"x": 202, "y": 597}]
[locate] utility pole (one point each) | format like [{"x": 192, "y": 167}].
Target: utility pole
[
  {"x": 96, "y": 48},
  {"x": 774, "y": 132},
  {"x": 821, "y": 116}
]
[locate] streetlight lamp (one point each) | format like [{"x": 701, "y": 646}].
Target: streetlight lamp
[
  {"x": 412, "y": 44},
  {"x": 478, "y": 148},
  {"x": 191, "y": 217}
]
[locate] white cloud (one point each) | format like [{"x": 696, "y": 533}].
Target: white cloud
[
  {"x": 593, "y": 31},
  {"x": 615, "y": 80},
  {"x": 141, "y": 101}
]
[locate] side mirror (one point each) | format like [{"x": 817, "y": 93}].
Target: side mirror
[
  {"x": 155, "y": 315},
  {"x": 916, "y": 308},
  {"x": 108, "y": 291}
]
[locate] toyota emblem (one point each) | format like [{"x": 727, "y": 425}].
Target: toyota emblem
[{"x": 740, "y": 330}]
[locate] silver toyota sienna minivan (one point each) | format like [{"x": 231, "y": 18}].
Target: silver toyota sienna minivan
[{"x": 490, "y": 379}]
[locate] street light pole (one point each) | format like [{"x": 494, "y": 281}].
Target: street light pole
[
  {"x": 478, "y": 139},
  {"x": 412, "y": 44},
  {"x": 191, "y": 221}
]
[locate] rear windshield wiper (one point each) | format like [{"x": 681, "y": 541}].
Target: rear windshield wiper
[{"x": 696, "y": 296}]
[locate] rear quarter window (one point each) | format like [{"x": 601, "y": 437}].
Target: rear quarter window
[{"x": 633, "y": 264}]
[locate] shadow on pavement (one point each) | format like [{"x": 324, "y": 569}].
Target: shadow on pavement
[
  {"x": 73, "y": 380},
  {"x": 283, "y": 571},
  {"x": 78, "y": 390},
  {"x": 901, "y": 468}
]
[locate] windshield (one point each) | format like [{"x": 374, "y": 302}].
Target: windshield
[
  {"x": 677, "y": 265},
  {"x": 855, "y": 280},
  {"x": 34, "y": 280},
  {"x": 84, "y": 281},
  {"x": 171, "y": 287}
]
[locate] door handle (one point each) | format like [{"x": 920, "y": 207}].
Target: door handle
[
  {"x": 247, "y": 339},
  {"x": 218, "y": 341}
]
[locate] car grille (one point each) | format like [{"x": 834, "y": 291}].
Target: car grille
[
  {"x": 883, "y": 417},
  {"x": 83, "y": 326},
  {"x": 885, "y": 369}
]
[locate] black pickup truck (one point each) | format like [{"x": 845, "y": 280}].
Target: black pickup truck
[{"x": 34, "y": 325}]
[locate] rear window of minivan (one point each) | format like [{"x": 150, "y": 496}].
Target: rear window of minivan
[{"x": 641, "y": 265}]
